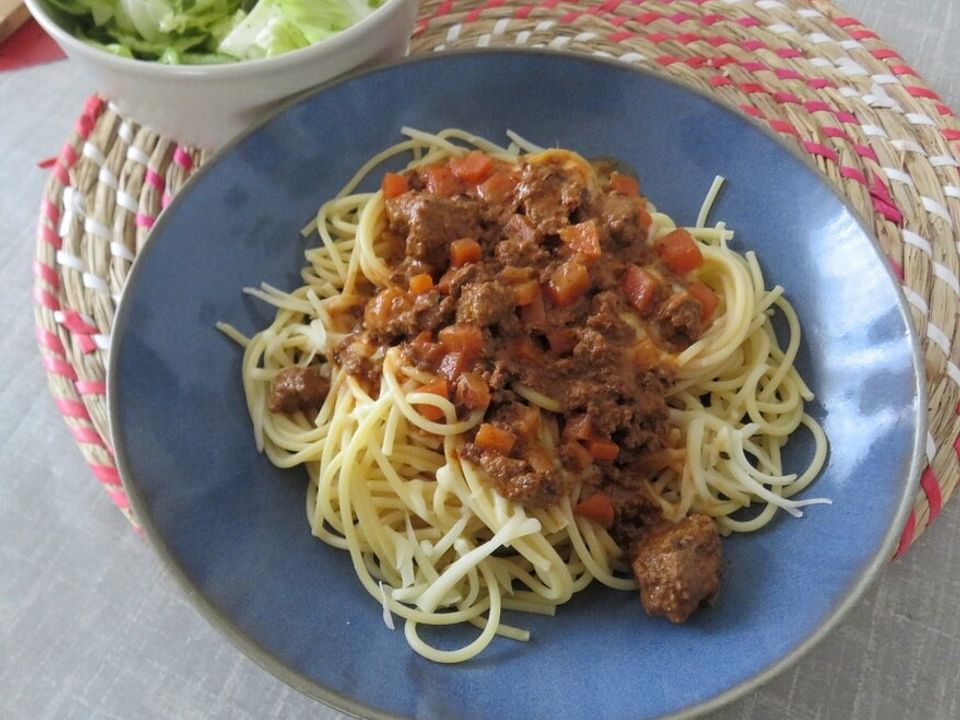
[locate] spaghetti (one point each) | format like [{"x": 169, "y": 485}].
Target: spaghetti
[{"x": 452, "y": 511}]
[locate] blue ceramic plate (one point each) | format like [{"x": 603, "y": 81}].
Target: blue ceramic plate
[{"x": 233, "y": 528}]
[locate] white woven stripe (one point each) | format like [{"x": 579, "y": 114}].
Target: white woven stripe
[
  {"x": 102, "y": 341},
  {"x": 73, "y": 207},
  {"x": 916, "y": 300},
  {"x": 440, "y": 48},
  {"x": 820, "y": 62},
  {"x": 873, "y": 131},
  {"x": 96, "y": 228},
  {"x": 851, "y": 93},
  {"x": 69, "y": 260},
  {"x": 809, "y": 13},
  {"x": 769, "y": 4},
  {"x": 453, "y": 32},
  {"x": 523, "y": 37},
  {"x": 919, "y": 119},
  {"x": 945, "y": 274},
  {"x": 850, "y": 67},
  {"x": 908, "y": 146},
  {"x": 127, "y": 201},
  {"x": 951, "y": 191},
  {"x": 483, "y": 40},
  {"x": 500, "y": 26},
  {"x": 544, "y": 25},
  {"x": 121, "y": 251},
  {"x": 898, "y": 175},
  {"x": 105, "y": 177},
  {"x": 939, "y": 338},
  {"x": 886, "y": 79},
  {"x": 931, "y": 448},
  {"x": 126, "y": 133},
  {"x": 602, "y": 53},
  {"x": 818, "y": 37},
  {"x": 954, "y": 372},
  {"x": 932, "y": 206},
  {"x": 781, "y": 28},
  {"x": 137, "y": 155},
  {"x": 944, "y": 161},
  {"x": 911, "y": 238},
  {"x": 559, "y": 41},
  {"x": 633, "y": 57},
  {"x": 95, "y": 283},
  {"x": 851, "y": 44},
  {"x": 92, "y": 152},
  {"x": 585, "y": 37}
]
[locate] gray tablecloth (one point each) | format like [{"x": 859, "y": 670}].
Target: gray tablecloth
[{"x": 92, "y": 628}]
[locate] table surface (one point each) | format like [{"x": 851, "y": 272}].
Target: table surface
[{"x": 92, "y": 627}]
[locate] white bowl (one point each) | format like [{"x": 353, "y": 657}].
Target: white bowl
[{"x": 206, "y": 105}]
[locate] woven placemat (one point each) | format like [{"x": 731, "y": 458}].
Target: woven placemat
[{"x": 818, "y": 78}]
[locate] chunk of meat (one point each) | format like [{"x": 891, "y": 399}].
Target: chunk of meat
[
  {"x": 625, "y": 218},
  {"x": 677, "y": 566},
  {"x": 549, "y": 196},
  {"x": 297, "y": 389},
  {"x": 485, "y": 303},
  {"x": 429, "y": 224},
  {"x": 516, "y": 479},
  {"x": 679, "y": 320},
  {"x": 521, "y": 244}
]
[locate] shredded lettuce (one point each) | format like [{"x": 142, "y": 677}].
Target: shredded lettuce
[{"x": 207, "y": 31}]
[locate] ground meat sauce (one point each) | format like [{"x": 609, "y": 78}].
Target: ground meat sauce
[{"x": 540, "y": 278}]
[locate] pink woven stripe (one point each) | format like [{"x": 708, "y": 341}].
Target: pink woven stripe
[
  {"x": 58, "y": 366},
  {"x": 46, "y": 273},
  {"x": 45, "y": 298},
  {"x": 51, "y": 342},
  {"x": 182, "y": 158},
  {"x": 61, "y": 174},
  {"x": 91, "y": 387},
  {"x": 951, "y": 134},
  {"x": 154, "y": 180},
  {"x": 86, "y": 343},
  {"x": 121, "y": 500},
  {"x": 73, "y": 321},
  {"x": 909, "y": 530},
  {"x": 903, "y": 70},
  {"x": 72, "y": 408},
  {"x": 931, "y": 488},
  {"x": 107, "y": 474},
  {"x": 852, "y": 173},
  {"x": 86, "y": 435},
  {"x": 68, "y": 155},
  {"x": 50, "y": 211},
  {"x": 815, "y": 148},
  {"x": 144, "y": 221}
]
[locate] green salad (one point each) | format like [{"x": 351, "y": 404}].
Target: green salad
[{"x": 208, "y": 31}]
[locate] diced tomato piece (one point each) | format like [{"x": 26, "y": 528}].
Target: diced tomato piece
[
  {"x": 443, "y": 284},
  {"x": 394, "y": 184},
  {"x": 474, "y": 167},
  {"x": 466, "y": 339},
  {"x": 419, "y": 284},
  {"x": 578, "y": 427},
  {"x": 583, "y": 239},
  {"x": 577, "y": 454},
  {"x": 704, "y": 295},
  {"x": 472, "y": 391},
  {"x": 527, "y": 292},
  {"x": 493, "y": 438},
  {"x": 562, "y": 341},
  {"x": 384, "y": 307},
  {"x": 437, "y": 387},
  {"x": 641, "y": 288},
  {"x": 440, "y": 180},
  {"x": 624, "y": 184},
  {"x": 646, "y": 355},
  {"x": 452, "y": 365},
  {"x": 679, "y": 251},
  {"x": 598, "y": 507},
  {"x": 497, "y": 188},
  {"x": 605, "y": 450},
  {"x": 463, "y": 251},
  {"x": 534, "y": 313},
  {"x": 523, "y": 349},
  {"x": 568, "y": 283}
]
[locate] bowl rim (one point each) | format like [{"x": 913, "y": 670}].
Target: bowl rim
[
  {"x": 858, "y": 584},
  {"x": 238, "y": 68}
]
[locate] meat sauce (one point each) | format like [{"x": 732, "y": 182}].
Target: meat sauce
[{"x": 513, "y": 282}]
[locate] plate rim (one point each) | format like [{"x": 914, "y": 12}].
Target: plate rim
[{"x": 858, "y": 584}]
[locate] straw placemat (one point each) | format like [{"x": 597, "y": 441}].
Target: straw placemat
[{"x": 816, "y": 77}]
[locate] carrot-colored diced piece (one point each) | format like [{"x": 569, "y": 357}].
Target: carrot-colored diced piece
[
  {"x": 578, "y": 427},
  {"x": 527, "y": 421},
  {"x": 512, "y": 274},
  {"x": 384, "y": 307},
  {"x": 598, "y": 508},
  {"x": 495, "y": 439},
  {"x": 474, "y": 167},
  {"x": 624, "y": 184},
  {"x": 424, "y": 351},
  {"x": 472, "y": 391},
  {"x": 394, "y": 184},
  {"x": 496, "y": 188},
  {"x": 526, "y": 292},
  {"x": 466, "y": 339},
  {"x": 679, "y": 251},
  {"x": 533, "y": 313},
  {"x": 562, "y": 341},
  {"x": 577, "y": 454},
  {"x": 568, "y": 283},
  {"x": 524, "y": 349},
  {"x": 641, "y": 289},
  {"x": 705, "y": 296},
  {"x": 583, "y": 239},
  {"x": 443, "y": 284},
  {"x": 603, "y": 449},
  {"x": 419, "y": 284},
  {"x": 646, "y": 355},
  {"x": 440, "y": 180},
  {"x": 437, "y": 387},
  {"x": 463, "y": 251}
]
